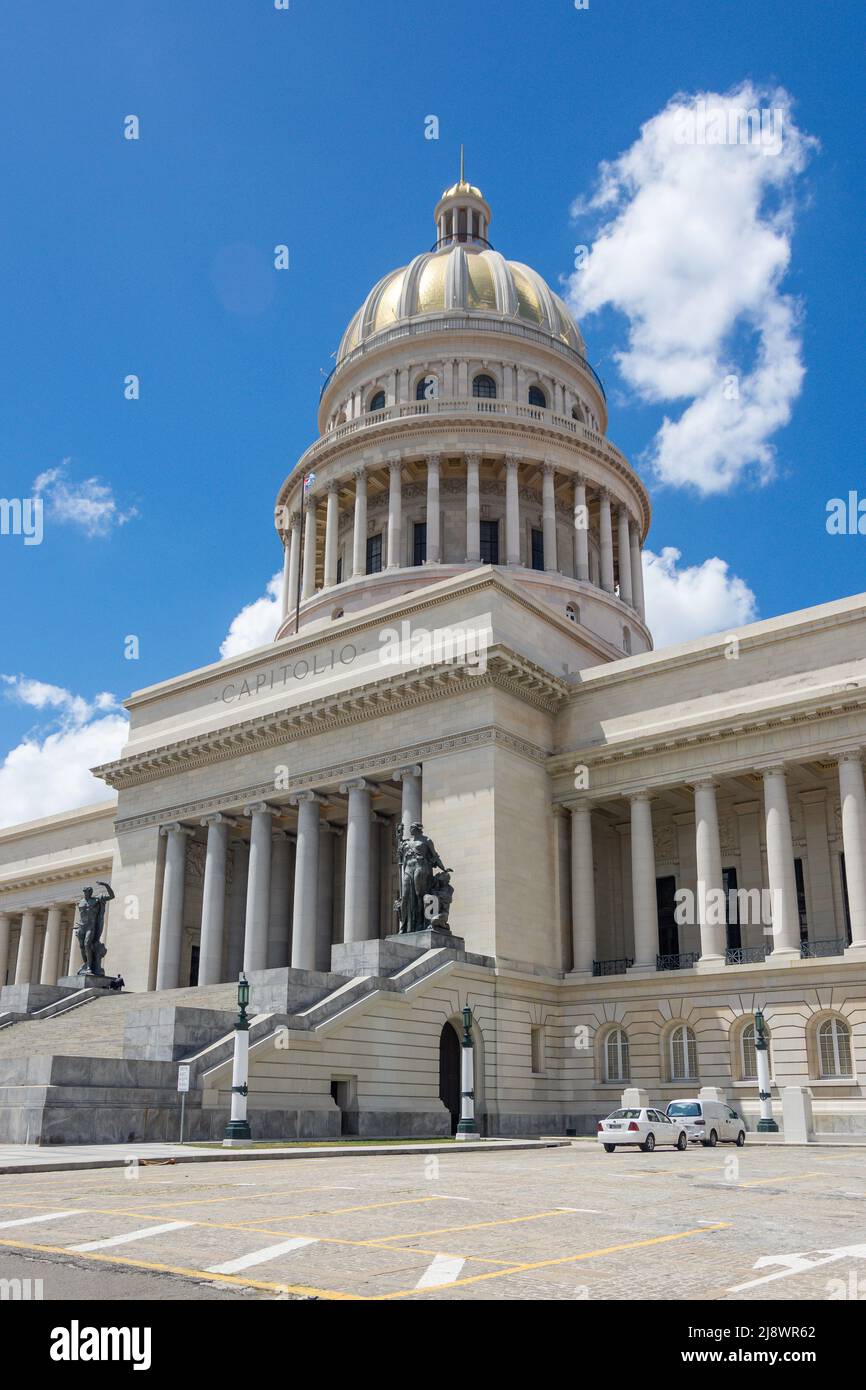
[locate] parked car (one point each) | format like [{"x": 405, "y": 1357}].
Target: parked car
[
  {"x": 646, "y": 1128},
  {"x": 709, "y": 1122}
]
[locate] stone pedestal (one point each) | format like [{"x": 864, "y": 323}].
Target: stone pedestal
[
  {"x": 86, "y": 981},
  {"x": 386, "y": 957},
  {"x": 797, "y": 1122},
  {"x": 634, "y": 1098},
  {"x": 429, "y": 940}
]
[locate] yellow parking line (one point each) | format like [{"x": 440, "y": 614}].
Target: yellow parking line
[
  {"x": 561, "y": 1260},
  {"x": 475, "y": 1225},
  {"x": 189, "y": 1273}
]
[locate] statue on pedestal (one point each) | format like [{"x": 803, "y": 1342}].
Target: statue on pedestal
[
  {"x": 91, "y": 920},
  {"x": 425, "y": 896}
]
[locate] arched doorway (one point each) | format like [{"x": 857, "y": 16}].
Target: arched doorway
[{"x": 449, "y": 1073}]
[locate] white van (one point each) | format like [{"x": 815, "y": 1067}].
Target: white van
[{"x": 709, "y": 1122}]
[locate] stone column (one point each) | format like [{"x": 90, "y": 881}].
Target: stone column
[
  {"x": 234, "y": 954},
  {"x": 26, "y": 943},
  {"x": 643, "y": 883},
  {"x": 305, "y": 912},
  {"x": 359, "y": 538},
  {"x": 473, "y": 509},
  {"x": 512, "y": 510},
  {"x": 433, "y": 545},
  {"x": 395, "y": 511},
  {"x": 780, "y": 864},
  {"x": 549, "y": 516},
  {"x": 411, "y": 808},
  {"x": 5, "y": 931},
  {"x": 332, "y": 527},
  {"x": 308, "y": 587},
  {"x": 291, "y": 558},
  {"x": 636, "y": 570},
  {"x": 171, "y": 915},
  {"x": 51, "y": 947},
  {"x": 258, "y": 886},
  {"x": 74, "y": 949},
  {"x": 624, "y": 543},
  {"x": 356, "y": 919},
  {"x": 606, "y": 542},
  {"x": 328, "y": 834},
  {"x": 583, "y": 930},
  {"x": 853, "y": 800},
  {"x": 708, "y": 861},
  {"x": 581, "y": 532},
  {"x": 210, "y": 956},
  {"x": 279, "y": 912}
]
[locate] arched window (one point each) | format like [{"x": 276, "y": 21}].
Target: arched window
[
  {"x": 572, "y": 612},
  {"x": 683, "y": 1054},
  {"x": 834, "y": 1048},
  {"x": 626, "y": 641},
  {"x": 484, "y": 386},
  {"x": 748, "y": 1055},
  {"x": 378, "y": 401},
  {"x": 577, "y": 413},
  {"x": 616, "y": 1063},
  {"x": 537, "y": 396},
  {"x": 426, "y": 388}
]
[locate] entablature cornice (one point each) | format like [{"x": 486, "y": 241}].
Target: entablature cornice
[{"x": 505, "y": 670}]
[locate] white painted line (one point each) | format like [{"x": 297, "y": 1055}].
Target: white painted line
[
  {"x": 443, "y": 1270},
  {"x": 594, "y": 1211},
  {"x": 259, "y": 1257},
  {"x": 130, "y": 1236},
  {"x": 46, "y": 1216}
]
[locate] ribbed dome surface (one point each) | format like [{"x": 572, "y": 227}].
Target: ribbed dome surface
[{"x": 462, "y": 279}]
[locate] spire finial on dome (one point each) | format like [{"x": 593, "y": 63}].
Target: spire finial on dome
[
  {"x": 462, "y": 213},
  {"x": 462, "y": 173}
]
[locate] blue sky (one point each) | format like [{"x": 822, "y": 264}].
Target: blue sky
[{"x": 306, "y": 127}]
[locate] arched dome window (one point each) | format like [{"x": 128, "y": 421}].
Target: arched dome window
[
  {"x": 485, "y": 387},
  {"x": 537, "y": 397},
  {"x": 572, "y": 612},
  {"x": 626, "y": 641},
  {"x": 426, "y": 388},
  {"x": 377, "y": 402},
  {"x": 577, "y": 413}
]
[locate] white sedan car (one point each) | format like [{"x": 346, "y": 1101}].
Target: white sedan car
[{"x": 646, "y": 1128}]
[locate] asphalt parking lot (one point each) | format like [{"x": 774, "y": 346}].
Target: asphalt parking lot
[{"x": 567, "y": 1223}]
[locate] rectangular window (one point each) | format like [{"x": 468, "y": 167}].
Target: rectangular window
[
  {"x": 537, "y": 550},
  {"x": 339, "y": 569},
  {"x": 729, "y": 884},
  {"x": 536, "y": 1042},
  {"x": 801, "y": 899},
  {"x": 845, "y": 898},
  {"x": 490, "y": 542},
  {"x": 193, "y": 965},
  {"x": 419, "y": 543},
  {"x": 374, "y": 554}
]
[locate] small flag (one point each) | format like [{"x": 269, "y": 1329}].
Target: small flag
[{"x": 308, "y": 481}]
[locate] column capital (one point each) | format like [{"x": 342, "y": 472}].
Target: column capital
[
  {"x": 311, "y": 502},
  {"x": 294, "y": 519},
  {"x": 548, "y": 468},
  {"x": 332, "y": 488},
  {"x": 219, "y": 818},
  {"x": 261, "y": 808},
  {"x": 771, "y": 770},
  {"x": 309, "y": 795},
  {"x": 174, "y": 827},
  {"x": 702, "y": 781},
  {"x": 473, "y": 458},
  {"x": 359, "y": 473},
  {"x": 358, "y": 784},
  {"x": 848, "y": 755},
  {"x": 414, "y": 770},
  {"x": 644, "y": 794},
  {"x": 578, "y": 804},
  {"x": 512, "y": 461},
  {"x": 395, "y": 464},
  {"x": 433, "y": 460}
]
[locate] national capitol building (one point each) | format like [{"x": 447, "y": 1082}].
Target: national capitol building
[{"x": 462, "y": 644}]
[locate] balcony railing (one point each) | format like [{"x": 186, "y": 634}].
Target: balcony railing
[
  {"x": 745, "y": 955},
  {"x": 612, "y": 967},
  {"x": 472, "y": 405},
  {"x": 682, "y": 961},
  {"x": 829, "y": 946}
]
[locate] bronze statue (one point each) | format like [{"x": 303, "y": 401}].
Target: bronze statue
[
  {"x": 425, "y": 896},
  {"x": 91, "y": 920}
]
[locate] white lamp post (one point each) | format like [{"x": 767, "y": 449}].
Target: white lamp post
[
  {"x": 237, "y": 1129},
  {"x": 467, "y": 1128},
  {"x": 766, "y": 1124}
]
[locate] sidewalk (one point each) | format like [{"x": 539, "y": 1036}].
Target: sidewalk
[{"x": 63, "y": 1158}]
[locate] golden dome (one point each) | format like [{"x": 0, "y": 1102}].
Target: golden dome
[
  {"x": 462, "y": 279},
  {"x": 463, "y": 187}
]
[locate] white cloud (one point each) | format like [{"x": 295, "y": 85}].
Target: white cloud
[
  {"x": 256, "y": 624},
  {"x": 49, "y": 770},
  {"x": 90, "y": 504},
  {"x": 692, "y": 244},
  {"x": 695, "y": 600}
]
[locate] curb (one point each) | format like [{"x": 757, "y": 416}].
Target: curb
[{"x": 236, "y": 1155}]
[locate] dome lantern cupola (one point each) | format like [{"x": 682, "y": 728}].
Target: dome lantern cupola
[{"x": 462, "y": 214}]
